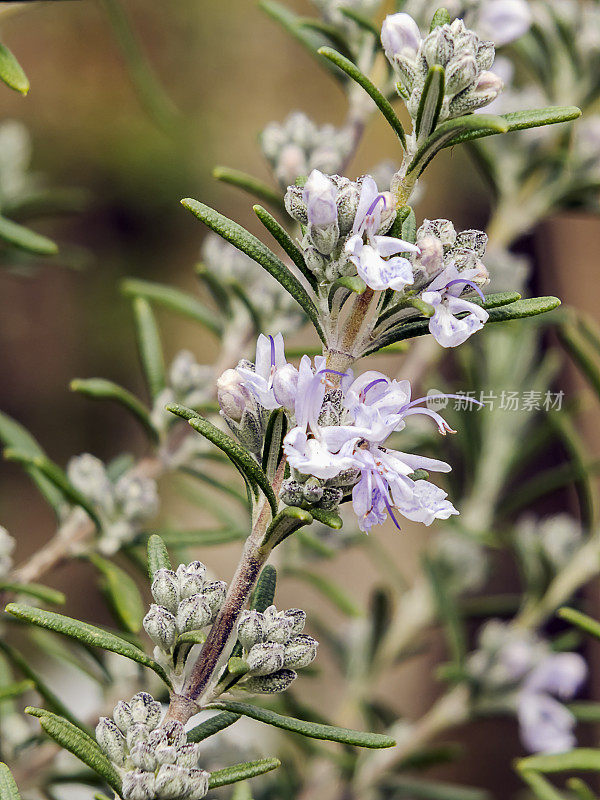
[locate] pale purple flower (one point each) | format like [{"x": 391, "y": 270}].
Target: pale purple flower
[
  {"x": 319, "y": 195},
  {"x": 369, "y": 256},
  {"x": 546, "y": 724},
  {"x": 443, "y": 293},
  {"x": 270, "y": 357},
  {"x": 400, "y": 35}
]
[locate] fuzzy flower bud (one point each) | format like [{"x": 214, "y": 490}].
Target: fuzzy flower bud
[
  {"x": 298, "y": 619},
  {"x": 123, "y": 715},
  {"x": 111, "y": 740},
  {"x": 160, "y": 626},
  {"x": 145, "y": 709},
  {"x": 232, "y": 395},
  {"x": 170, "y": 782},
  {"x": 197, "y": 784},
  {"x": 143, "y": 757},
  {"x": 165, "y": 589},
  {"x": 187, "y": 755},
  {"x": 265, "y": 658},
  {"x": 138, "y": 785},
  {"x": 319, "y": 195},
  {"x": 193, "y": 613},
  {"x": 214, "y": 594},
  {"x": 191, "y": 579},
  {"x": 270, "y": 684},
  {"x": 251, "y": 628},
  {"x": 300, "y": 651}
]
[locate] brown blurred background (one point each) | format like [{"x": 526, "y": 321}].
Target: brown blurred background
[{"x": 229, "y": 70}]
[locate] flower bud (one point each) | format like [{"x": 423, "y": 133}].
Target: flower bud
[
  {"x": 265, "y": 658},
  {"x": 186, "y": 375},
  {"x": 171, "y": 782},
  {"x": 319, "y": 195},
  {"x": 123, "y": 716},
  {"x": 138, "y": 733},
  {"x": 472, "y": 240},
  {"x": 460, "y": 74},
  {"x": 300, "y": 651},
  {"x": 295, "y": 205},
  {"x": 190, "y": 582},
  {"x": 285, "y": 385},
  {"x": 88, "y": 474},
  {"x": 312, "y": 490},
  {"x": 278, "y": 630},
  {"x": 486, "y": 89},
  {"x": 400, "y": 35},
  {"x": 175, "y": 733},
  {"x": 347, "y": 203},
  {"x": 193, "y": 613},
  {"x": 442, "y": 229},
  {"x": 138, "y": 785},
  {"x": 324, "y": 238},
  {"x": 291, "y": 492},
  {"x": 160, "y": 626},
  {"x": 145, "y": 709},
  {"x": 232, "y": 395},
  {"x": 143, "y": 757},
  {"x": 290, "y": 163},
  {"x": 165, "y": 754},
  {"x": 111, "y": 740},
  {"x": 486, "y": 53},
  {"x": 197, "y": 784},
  {"x": 165, "y": 589},
  {"x": 214, "y": 594},
  {"x": 138, "y": 497},
  {"x": 297, "y": 618},
  {"x": 270, "y": 684},
  {"x": 251, "y": 628},
  {"x": 187, "y": 755},
  {"x": 331, "y": 498}
]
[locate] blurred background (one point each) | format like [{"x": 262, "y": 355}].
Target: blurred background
[{"x": 228, "y": 70}]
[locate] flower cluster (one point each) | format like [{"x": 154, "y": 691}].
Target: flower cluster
[
  {"x": 274, "y": 646},
  {"x": 7, "y": 545},
  {"x": 515, "y": 668},
  {"x": 184, "y": 601},
  {"x": 336, "y": 445},
  {"x": 467, "y": 61},
  {"x": 189, "y": 383},
  {"x": 123, "y": 505},
  {"x": 297, "y": 146},
  {"x": 156, "y": 761}
]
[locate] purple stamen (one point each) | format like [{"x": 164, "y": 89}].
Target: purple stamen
[
  {"x": 373, "y": 205},
  {"x": 272, "y": 351},
  {"x": 383, "y": 491},
  {"x": 332, "y": 372},
  {"x": 371, "y": 385},
  {"x": 467, "y": 283},
  {"x": 446, "y": 396}
]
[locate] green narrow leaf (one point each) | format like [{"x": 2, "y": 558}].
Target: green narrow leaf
[
  {"x": 448, "y": 611},
  {"x": 8, "y": 787},
  {"x": 582, "y": 621},
  {"x": 352, "y": 283},
  {"x": 330, "y": 518},
  {"x": 14, "y": 435},
  {"x": 431, "y": 101},
  {"x": 242, "y": 792},
  {"x": 231, "y": 448},
  {"x": 496, "y": 299},
  {"x": 26, "y": 239},
  {"x": 582, "y": 353},
  {"x": 79, "y": 744},
  {"x": 149, "y": 346},
  {"x": 216, "y": 286},
  {"x": 124, "y": 594},
  {"x": 334, "y": 593},
  {"x": 11, "y": 72},
  {"x": 581, "y": 789},
  {"x": 54, "y": 702},
  {"x": 288, "y": 521},
  {"x": 378, "y": 98},
  {"x": 88, "y": 634},
  {"x": 434, "y": 790},
  {"x": 440, "y": 18},
  {"x": 521, "y": 120},
  {"x": 450, "y": 130},
  {"x": 158, "y": 555},
  {"x": 330, "y": 32},
  {"x": 250, "y": 184},
  {"x": 37, "y": 590},
  {"x": 15, "y": 689},
  {"x": 580, "y": 759},
  {"x": 102, "y": 389},
  {"x": 174, "y": 300},
  {"x": 264, "y": 592},
  {"x": 241, "y": 772},
  {"x": 211, "y": 726},
  {"x": 542, "y": 788},
  {"x": 248, "y": 243},
  {"x": 55, "y": 474},
  {"x": 285, "y": 240},
  {"x": 312, "y": 730},
  {"x": 272, "y": 448},
  {"x": 202, "y": 538},
  {"x": 585, "y": 711}
]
